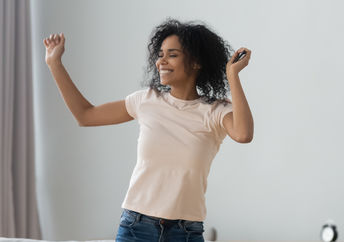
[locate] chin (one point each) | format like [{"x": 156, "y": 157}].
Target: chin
[{"x": 164, "y": 82}]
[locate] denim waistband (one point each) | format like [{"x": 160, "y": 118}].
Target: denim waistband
[{"x": 140, "y": 216}]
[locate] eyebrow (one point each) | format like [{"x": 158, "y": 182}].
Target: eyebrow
[{"x": 171, "y": 50}]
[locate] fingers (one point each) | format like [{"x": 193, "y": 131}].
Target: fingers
[
  {"x": 45, "y": 43},
  {"x": 54, "y": 39},
  {"x": 62, "y": 38},
  {"x": 248, "y": 53},
  {"x": 236, "y": 53}
]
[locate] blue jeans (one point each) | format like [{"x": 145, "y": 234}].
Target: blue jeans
[{"x": 138, "y": 227}]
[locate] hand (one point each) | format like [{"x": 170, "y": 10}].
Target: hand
[
  {"x": 54, "y": 48},
  {"x": 239, "y": 65}
]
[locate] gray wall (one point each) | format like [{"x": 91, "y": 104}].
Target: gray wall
[{"x": 282, "y": 186}]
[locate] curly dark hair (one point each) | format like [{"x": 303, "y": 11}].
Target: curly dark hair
[{"x": 200, "y": 45}]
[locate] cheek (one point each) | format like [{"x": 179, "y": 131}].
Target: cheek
[{"x": 179, "y": 67}]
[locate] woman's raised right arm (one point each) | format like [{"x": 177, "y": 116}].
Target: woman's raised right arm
[
  {"x": 75, "y": 101},
  {"x": 85, "y": 113}
]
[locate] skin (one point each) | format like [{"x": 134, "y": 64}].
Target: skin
[
  {"x": 183, "y": 86},
  {"x": 54, "y": 48},
  {"x": 238, "y": 124}
]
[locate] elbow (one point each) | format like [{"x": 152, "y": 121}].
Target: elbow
[
  {"x": 81, "y": 124},
  {"x": 81, "y": 121},
  {"x": 245, "y": 139}
]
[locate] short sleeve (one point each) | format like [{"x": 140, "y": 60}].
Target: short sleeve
[
  {"x": 219, "y": 113},
  {"x": 133, "y": 102}
]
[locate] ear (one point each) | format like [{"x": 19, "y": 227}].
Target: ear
[{"x": 196, "y": 66}]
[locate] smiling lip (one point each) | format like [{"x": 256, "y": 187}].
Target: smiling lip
[
  {"x": 165, "y": 71},
  {"x": 162, "y": 68}
]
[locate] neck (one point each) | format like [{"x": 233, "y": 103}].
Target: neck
[{"x": 184, "y": 93}]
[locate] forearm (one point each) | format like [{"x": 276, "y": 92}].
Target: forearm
[
  {"x": 71, "y": 95},
  {"x": 242, "y": 117}
]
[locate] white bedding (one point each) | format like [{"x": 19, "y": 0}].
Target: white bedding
[{"x": 3, "y": 239}]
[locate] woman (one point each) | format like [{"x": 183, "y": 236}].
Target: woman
[{"x": 184, "y": 115}]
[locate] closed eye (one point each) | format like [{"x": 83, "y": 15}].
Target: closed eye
[{"x": 170, "y": 56}]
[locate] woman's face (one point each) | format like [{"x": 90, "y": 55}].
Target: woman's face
[{"x": 170, "y": 63}]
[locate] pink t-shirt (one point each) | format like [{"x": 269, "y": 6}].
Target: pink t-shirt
[{"x": 177, "y": 143}]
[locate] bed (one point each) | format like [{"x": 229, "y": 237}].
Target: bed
[{"x": 4, "y": 239}]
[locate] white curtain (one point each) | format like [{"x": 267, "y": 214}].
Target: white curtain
[{"x": 18, "y": 206}]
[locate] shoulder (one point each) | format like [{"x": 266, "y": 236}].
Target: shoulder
[
  {"x": 218, "y": 105},
  {"x": 139, "y": 93},
  {"x": 219, "y": 109}
]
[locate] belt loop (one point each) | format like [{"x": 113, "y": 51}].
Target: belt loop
[
  {"x": 138, "y": 217},
  {"x": 181, "y": 223}
]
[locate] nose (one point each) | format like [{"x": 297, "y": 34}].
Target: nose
[{"x": 161, "y": 60}]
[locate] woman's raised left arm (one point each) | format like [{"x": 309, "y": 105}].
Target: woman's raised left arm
[{"x": 242, "y": 120}]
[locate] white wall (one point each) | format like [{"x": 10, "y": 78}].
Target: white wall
[{"x": 282, "y": 186}]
